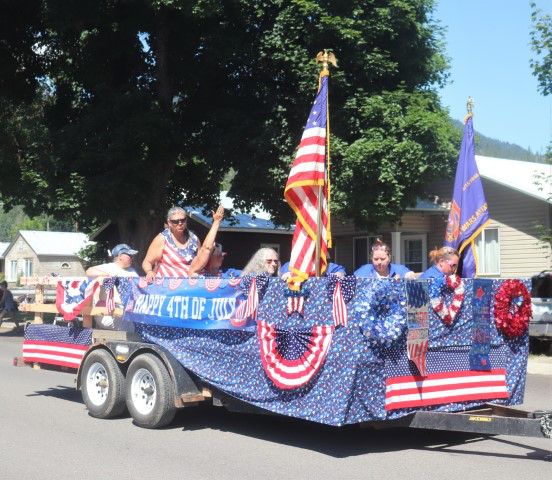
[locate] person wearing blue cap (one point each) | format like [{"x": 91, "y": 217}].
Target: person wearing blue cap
[{"x": 120, "y": 267}]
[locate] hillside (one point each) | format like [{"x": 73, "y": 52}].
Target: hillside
[{"x": 491, "y": 147}]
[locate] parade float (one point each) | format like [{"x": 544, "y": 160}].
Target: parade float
[{"x": 444, "y": 353}]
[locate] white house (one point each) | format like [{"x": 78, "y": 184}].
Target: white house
[
  {"x": 510, "y": 245},
  {"x": 43, "y": 253}
]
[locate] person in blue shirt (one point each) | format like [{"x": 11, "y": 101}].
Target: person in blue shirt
[
  {"x": 445, "y": 262},
  {"x": 381, "y": 266},
  {"x": 333, "y": 269}
]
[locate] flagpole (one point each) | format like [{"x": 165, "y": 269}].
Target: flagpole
[{"x": 325, "y": 57}]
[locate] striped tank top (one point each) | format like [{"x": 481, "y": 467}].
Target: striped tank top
[{"x": 175, "y": 262}]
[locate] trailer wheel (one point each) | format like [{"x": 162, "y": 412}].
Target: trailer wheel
[
  {"x": 103, "y": 385},
  {"x": 150, "y": 392}
]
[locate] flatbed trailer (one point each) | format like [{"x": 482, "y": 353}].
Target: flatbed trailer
[{"x": 118, "y": 371}]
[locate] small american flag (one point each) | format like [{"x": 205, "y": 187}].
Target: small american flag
[
  {"x": 449, "y": 380},
  {"x": 295, "y": 304},
  {"x": 55, "y": 345},
  {"x": 339, "y": 308},
  {"x": 302, "y": 192},
  {"x": 252, "y": 300}
]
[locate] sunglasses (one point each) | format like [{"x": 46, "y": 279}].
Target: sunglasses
[
  {"x": 272, "y": 261},
  {"x": 178, "y": 221}
]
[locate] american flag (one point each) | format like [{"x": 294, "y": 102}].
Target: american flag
[
  {"x": 449, "y": 380},
  {"x": 55, "y": 345},
  {"x": 291, "y": 358},
  {"x": 308, "y": 173},
  {"x": 339, "y": 307}
]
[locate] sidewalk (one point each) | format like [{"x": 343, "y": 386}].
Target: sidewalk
[{"x": 539, "y": 365}]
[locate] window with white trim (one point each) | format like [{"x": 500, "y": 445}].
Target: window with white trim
[
  {"x": 13, "y": 270},
  {"x": 414, "y": 252},
  {"x": 28, "y": 271},
  {"x": 487, "y": 248},
  {"x": 361, "y": 251}
]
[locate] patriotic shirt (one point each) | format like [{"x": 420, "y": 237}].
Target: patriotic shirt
[{"x": 175, "y": 261}]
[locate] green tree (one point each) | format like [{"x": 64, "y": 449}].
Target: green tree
[
  {"x": 541, "y": 43},
  {"x": 140, "y": 102}
]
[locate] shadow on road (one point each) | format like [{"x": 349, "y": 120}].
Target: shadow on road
[
  {"x": 62, "y": 392},
  {"x": 341, "y": 442}
]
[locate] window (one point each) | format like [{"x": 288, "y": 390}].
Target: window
[
  {"x": 28, "y": 272},
  {"x": 487, "y": 248},
  {"x": 65, "y": 265},
  {"x": 361, "y": 250},
  {"x": 414, "y": 252},
  {"x": 13, "y": 270}
]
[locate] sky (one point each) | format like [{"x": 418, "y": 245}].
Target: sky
[{"x": 488, "y": 45}]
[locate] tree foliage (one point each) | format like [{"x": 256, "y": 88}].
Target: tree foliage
[
  {"x": 541, "y": 43},
  {"x": 138, "y": 102}
]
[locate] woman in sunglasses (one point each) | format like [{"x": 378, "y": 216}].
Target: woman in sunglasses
[
  {"x": 264, "y": 261},
  {"x": 445, "y": 262},
  {"x": 177, "y": 251}
]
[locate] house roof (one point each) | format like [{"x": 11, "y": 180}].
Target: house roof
[
  {"x": 55, "y": 243},
  {"x": 3, "y": 248},
  {"x": 257, "y": 219},
  {"x": 518, "y": 175}
]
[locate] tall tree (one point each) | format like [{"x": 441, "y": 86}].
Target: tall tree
[{"x": 141, "y": 102}]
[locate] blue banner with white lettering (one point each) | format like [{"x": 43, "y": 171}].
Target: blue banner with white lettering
[{"x": 188, "y": 303}]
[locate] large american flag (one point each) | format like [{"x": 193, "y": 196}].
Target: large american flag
[
  {"x": 55, "y": 345},
  {"x": 308, "y": 173},
  {"x": 449, "y": 380}
]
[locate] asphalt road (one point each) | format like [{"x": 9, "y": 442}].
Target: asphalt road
[{"x": 46, "y": 433}]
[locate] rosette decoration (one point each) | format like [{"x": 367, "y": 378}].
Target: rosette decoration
[
  {"x": 512, "y": 308},
  {"x": 383, "y": 318},
  {"x": 450, "y": 283}
]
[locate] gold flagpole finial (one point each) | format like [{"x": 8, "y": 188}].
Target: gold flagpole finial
[
  {"x": 325, "y": 58},
  {"x": 469, "y": 107}
]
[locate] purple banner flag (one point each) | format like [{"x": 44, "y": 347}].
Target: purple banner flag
[{"x": 468, "y": 212}]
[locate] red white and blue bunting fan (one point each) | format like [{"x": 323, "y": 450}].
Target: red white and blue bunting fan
[
  {"x": 73, "y": 294},
  {"x": 292, "y": 358},
  {"x": 445, "y": 312},
  {"x": 340, "y": 290}
]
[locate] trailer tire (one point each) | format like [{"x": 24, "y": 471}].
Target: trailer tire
[
  {"x": 150, "y": 392},
  {"x": 103, "y": 385}
]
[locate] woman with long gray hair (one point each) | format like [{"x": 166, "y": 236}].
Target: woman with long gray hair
[{"x": 265, "y": 260}]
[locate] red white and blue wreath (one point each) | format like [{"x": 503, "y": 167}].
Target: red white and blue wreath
[
  {"x": 383, "y": 318},
  {"x": 448, "y": 284},
  {"x": 512, "y": 308}
]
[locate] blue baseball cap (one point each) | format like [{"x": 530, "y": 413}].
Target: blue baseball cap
[{"x": 122, "y": 248}]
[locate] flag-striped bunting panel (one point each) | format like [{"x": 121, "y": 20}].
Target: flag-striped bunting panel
[{"x": 447, "y": 387}]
